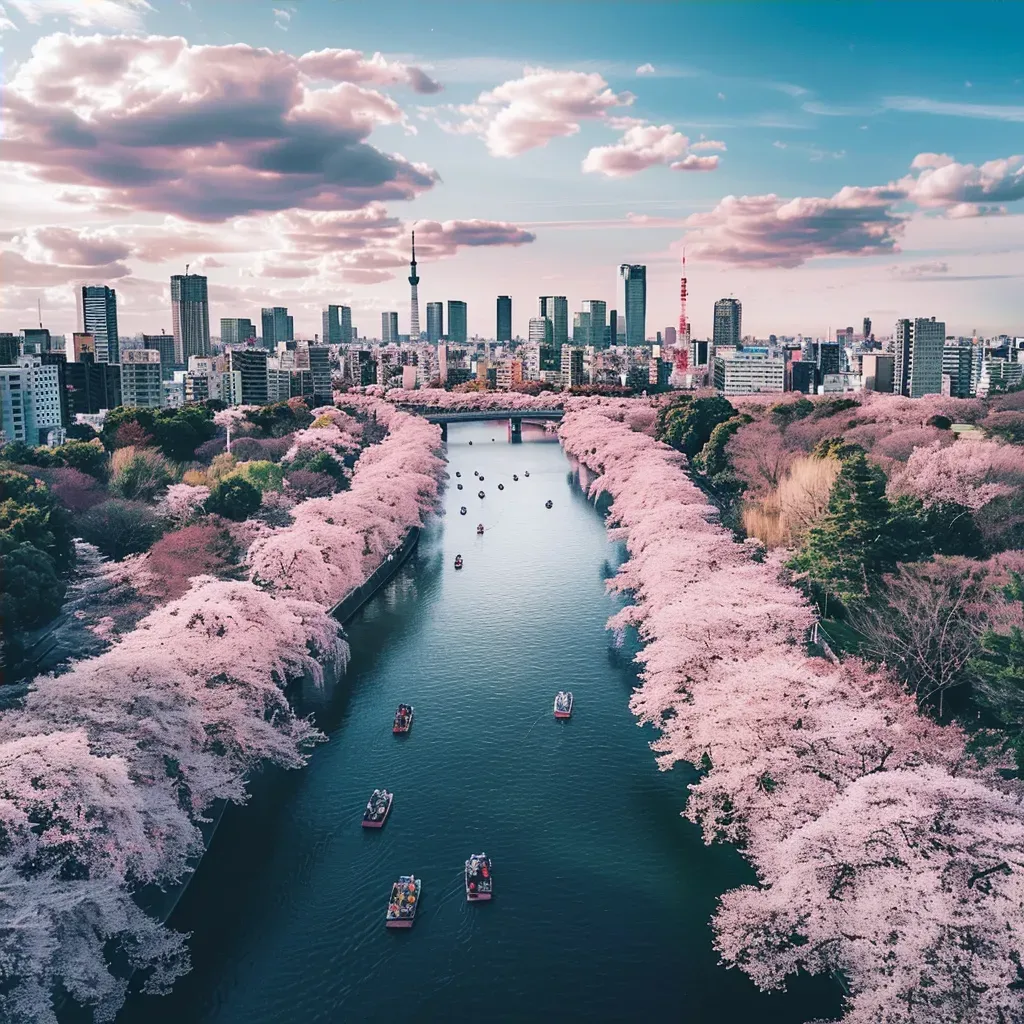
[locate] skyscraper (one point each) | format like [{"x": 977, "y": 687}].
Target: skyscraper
[
  {"x": 728, "y": 323},
  {"x": 389, "y": 328},
  {"x": 346, "y": 325},
  {"x": 596, "y": 310},
  {"x": 919, "y": 346},
  {"x": 435, "y": 322},
  {"x": 164, "y": 344},
  {"x": 581, "y": 329},
  {"x": 456, "y": 322},
  {"x": 190, "y": 317},
  {"x": 613, "y": 327},
  {"x": 556, "y": 309},
  {"x": 867, "y": 328},
  {"x": 275, "y": 326},
  {"x": 504, "y": 324},
  {"x": 330, "y": 325},
  {"x": 99, "y": 318},
  {"x": 414, "y": 298},
  {"x": 236, "y": 330},
  {"x": 141, "y": 386},
  {"x": 540, "y": 331},
  {"x": 634, "y": 279}
]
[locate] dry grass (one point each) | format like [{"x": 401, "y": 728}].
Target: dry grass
[{"x": 784, "y": 516}]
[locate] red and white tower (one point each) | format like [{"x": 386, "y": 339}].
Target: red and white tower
[{"x": 682, "y": 357}]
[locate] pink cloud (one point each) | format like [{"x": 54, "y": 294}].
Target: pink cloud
[
  {"x": 639, "y": 148},
  {"x": 695, "y": 163},
  {"x": 528, "y": 112},
  {"x": 942, "y": 182},
  {"x": 205, "y": 132},
  {"x": 352, "y": 66},
  {"x": 705, "y": 145},
  {"x": 645, "y": 69}
]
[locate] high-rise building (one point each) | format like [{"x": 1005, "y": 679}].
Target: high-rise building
[
  {"x": 828, "y": 357},
  {"x": 10, "y": 348},
  {"x": 457, "y": 322},
  {"x": 597, "y": 316},
  {"x": 957, "y": 365},
  {"x": 190, "y": 316},
  {"x": 389, "y": 328},
  {"x": 435, "y": 322},
  {"x": 670, "y": 337},
  {"x": 571, "y": 366},
  {"x": 275, "y": 322},
  {"x": 165, "y": 345},
  {"x": 613, "y": 327},
  {"x": 99, "y": 318},
  {"x": 728, "y": 323},
  {"x": 250, "y": 364},
  {"x": 918, "y": 347},
  {"x": 320, "y": 368},
  {"x": 503, "y": 330},
  {"x": 634, "y": 278},
  {"x": 32, "y": 406},
  {"x": 540, "y": 331},
  {"x": 581, "y": 329},
  {"x": 877, "y": 372},
  {"x": 35, "y": 341},
  {"x": 235, "y": 331},
  {"x": 330, "y": 325},
  {"x": 141, "y": 386},
  {"x": 414, "y": 299},
  {"x": 749, "y": 372},
  {"x": 347, "y": 335},
  {"x": 82, "y": 344},
  {"x": 556, "y": 309},
  {"x": 867, "y": 329}
]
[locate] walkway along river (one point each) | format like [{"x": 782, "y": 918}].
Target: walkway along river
[{"x": 603, "y": 892}]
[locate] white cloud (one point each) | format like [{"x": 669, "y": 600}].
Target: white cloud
[
  {"x": 283, "y": 17},
  {"x": 645, "y": 69},
  {"x": 6, "y": 25},
  {"x": 114, "y": 14},
  {"x": 692, "y": 162},
  {"x": 703, "y": 145},
  {"x": 982, "y": 111}
]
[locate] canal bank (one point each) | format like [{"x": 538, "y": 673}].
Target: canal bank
[{"x": 603, "y": 892}]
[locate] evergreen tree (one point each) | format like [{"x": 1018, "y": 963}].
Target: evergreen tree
[
  {"x": 998, "y": 672},
  {"x": 687, "y": 423}
]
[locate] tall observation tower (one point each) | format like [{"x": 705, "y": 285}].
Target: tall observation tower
[{"x": 414, "y": 299}]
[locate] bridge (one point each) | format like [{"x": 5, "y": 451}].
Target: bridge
[{"x": 515, "y": 417}]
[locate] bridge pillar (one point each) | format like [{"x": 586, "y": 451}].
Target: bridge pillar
[
  {"x": 444, "y": 432},
  {"x": 515, "y": 429}
]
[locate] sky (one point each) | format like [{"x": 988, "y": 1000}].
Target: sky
[{"x": 820, "y": 162}]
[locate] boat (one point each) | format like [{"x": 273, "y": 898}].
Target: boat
[
  {"x": 563, "y": 704},
  {"x": 527, "y": 473},
  {"x": 457, "y": 473},
  {"x": 549, "y": 503},
  {"x": 479, "y": 883},
  {"x": 514, "y": 477},
  {"x": 470, "y": 442},
  {"x": 479, "y": 528},
  {"x": 378, "y": 807},
  {"x": 458, "y": 561},
  {"x": 459, "y": 486},
  {"x": 462, "y": 511},
  {"x": 404, "y": 902},
  {"x": 403, "y": 719},
  {"x": 501, "y": 487},
  {"x": 481, "y": 478},
  {"x": 475, "y": 473},
  {"x": 480, "y": 494}
]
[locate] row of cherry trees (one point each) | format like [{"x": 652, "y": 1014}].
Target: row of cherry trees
[
  {"x": 107, "y": 771},
  {"x": 884, "y": 853}
]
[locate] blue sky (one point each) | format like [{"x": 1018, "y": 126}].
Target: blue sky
[{"x": 802, "y": 99}]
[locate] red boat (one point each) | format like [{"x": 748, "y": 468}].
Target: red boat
[
  {"x": 563, "y": 704},
  {"x": 404, "y": 902},
  {"x": 479, "y": 883},
  {"x": 378, "y": 808},
  {"x": 403, "y": 719}
]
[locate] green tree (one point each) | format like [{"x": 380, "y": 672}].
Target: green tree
[
  {"x": 998, "y": 672},
  {"x": 851, "y": 546},
  {"x": 267, "y": 476},
  {"x": 785, "y": 413},
  {"x": 88, "y": 456},
  {"x": 179, "y": 432},
  {"x": 234, "y": 498},
  {"x": 688, "y": 422},
  {"x": 31, "y": 589},
  {"x": 29, "y": 514}
]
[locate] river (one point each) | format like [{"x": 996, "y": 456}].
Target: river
[{"x": 603, "y": 892}]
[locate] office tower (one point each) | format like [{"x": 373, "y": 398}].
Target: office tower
[
  {"x": 99, "y": 318},
  {"x": 190, "y": 316},
  {"x": 728, "y": 323},
  {"x": 414, "y": 299},
  {"x": 634, "y": 278},
  {"x": 877, "y": 372},
  {"x": 10, "y": 348},
  {"x": 556, "y": 309},
  {"x": 92, "y": 387},
  {"x": 613, "y": 327},
  {"x": 141, "y": 379},
  {"x": 540, "y": 331},
  {"x": 235, "y": 331},
  {"x": 867, "y": 328},
  {"x": 251, "y": 366},
  {"x": 275, "y": 326},
  {"x": 571, "y": 366},
  {"x": 330, "y": 326},
  {"x": 347, "y": 334},
  {"x": 581, "y": 329},
  {"x": 32, "y": 401},
  {"x": 35, "y": 341},
  {"x": 918, "y": 348},
  {"x": 503, "y": 330},
  {"x": 595, "y": 310},
  {"x": 82, "y": 344},
  {"x": 456, "y": 322},
  {"x": 957, "y": 365},
  {"x": 319, "y": 357},
  {"x": 748, "y": 373},
  {"x": 828, "y": 358},
  {"x": 435, "y": 322},
  {"x": 803, "y": 376},
  {"x": 165, "y": 345},
  {"x": 389, "y": 328}
]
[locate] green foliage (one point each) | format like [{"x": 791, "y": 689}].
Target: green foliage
[
  {"x": 279, "y": 419},
  {"x": 29, "y": 514},
  {"x": 31, "y": 589},
  {"x": 688, "y": 422},
  {"x": 998, "y": 672},
  {"x": 119, "y": 528},
  {"x": 785, "y": 413},
  {"x": 138, "y": 474},
  {"x": 234, "y": 498},
  {"x": 86, "y": 456},
  {"x": 713, "y": 464},
  {"x": 321, "y": 462},
  {"x": 267, "y": 476},
  {"x": 942, "y": 528},
  {"x": 835, "y": 448},
  {"x": 940, "y": 422},
  {"x": 852, "y": 545},
  {"x": 834, "y": 406},
  {"x": 176, "y": 432}
]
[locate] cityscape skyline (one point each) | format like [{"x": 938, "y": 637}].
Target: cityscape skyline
[{"x": 816, "y": 197}]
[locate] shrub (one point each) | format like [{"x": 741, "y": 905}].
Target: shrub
[
  {"x": 31, "y": 590},
  {"x": 234, "y": 498},
  {"x": 210, "y": 449},
  {"x": 267, "y": 476},
  {"x": 75, "y": 490},
  {"x": 272, "y": 449},
  {"x": 119, "y": 528},
  {"x": 138, "y": 473},
  {"x": 303, "y": 484},
  {"x": 203, "y": 549}
]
